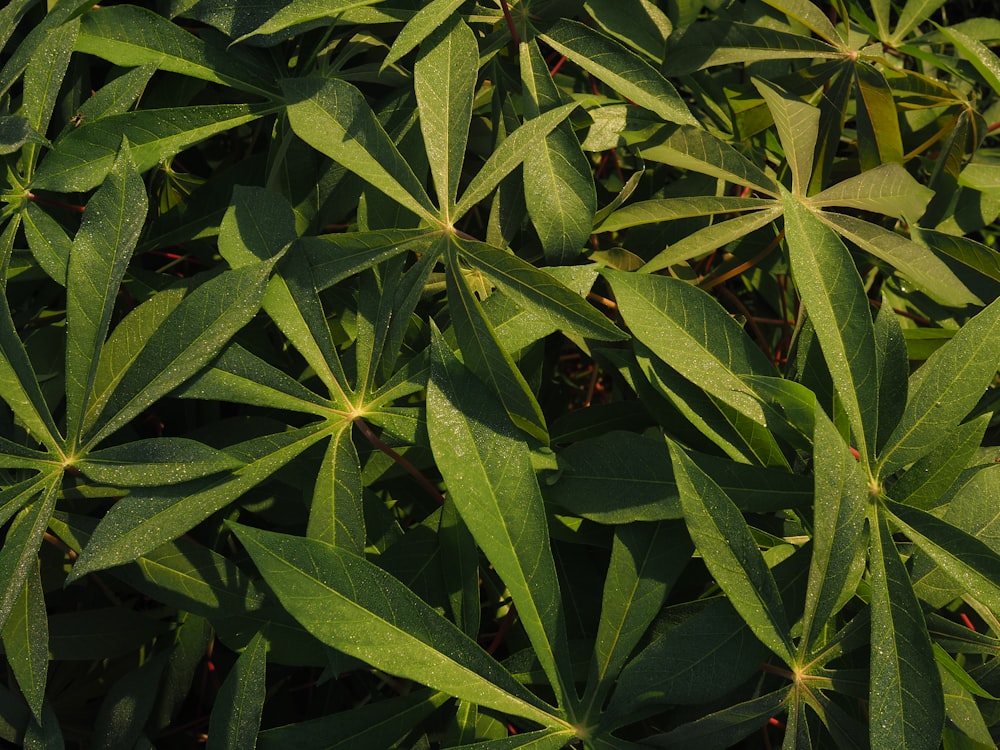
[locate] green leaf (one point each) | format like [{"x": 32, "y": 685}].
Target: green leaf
[
  {"x": 620, "y": 477},
  {"x": 444, "y": 81},
  {"x": 893, "y": 368},
  {"x": 26, "y": 640},
  {"x": 239, "y": 376},
  {"x": 36, "y": 38},
  {"x": 487, "y": 470},
  {"x": 155, "y": 462},
  {"x": 97, "y": 263},
  {"x": 559, "y": 189},
  {"x": 671, "y": 209},
  {"x": 336, "y": 515},
  {"x": 697, "y": 660},
  {"x": 335, "y": 257},
  {"x": 127, "y": 706},
  {"x": 509, "y": 155},
  {"x": 118, "y": 96},
  {"x": 21, "y": 390},
  {"x": 460, "y": 568},
  {"x": 887, "y": 189},
  {"x": 691, "y": 332},
  {"x": 982, "y": 58},
  {"x": 539, "y": 292},
  {"x": 704, "y": 45},
  {"x": 16, "y": 131},
  {"x": 130, "y": 36},
  {"x": 302, "y": 13},
  {"x": 350, "y": 604},
  {"x": 835, "y": 300},
  {"x": 48, "y": 242},
  {"x": 486, "y": 358},
  {"x": 646, "y": 561},
  {"x": 421, "y": 25},
  {"x": 914, "y": 13},
  {"x": 918, "y": 263},
  {"x": 798, "y": 129},
  {"x": 810, "y": 16},
  {"x": 966, "y": 559},
  {"x": 143, "y": 521},
  {"x": 42, "y": 80},
  {"x": 725, "y": 728},
  {"x": 333, "y": 117},
  {"x": 20, "y": 550},
  {"x": 542, "y": 739},
  {"x": 381, "y": 724},
  {"x": 81, "y": 158},
  {"x": 710, "y": 238},
  {"x": 236, "y": 711},
  {"x": 965, "y": 250},
  {"x": 619, "y": 68},
  {"x": 124, "y": 345},
  {"x": 926, "y": 482},
  {"x": 841, "y": 497},
  {"x": 906, "y": 704},
  {"x": 944, "y": 390},
  {"x": 189, "y": 337},
  {"x": 879, "y": 138},
  {"x": 699, "y": 150},
  {"x": 723, "y": 538}
]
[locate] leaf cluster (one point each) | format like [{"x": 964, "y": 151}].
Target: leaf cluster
[{"x": 513, "y": 375}]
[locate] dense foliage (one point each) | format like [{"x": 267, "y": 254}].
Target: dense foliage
[{"x": 592, "y": 373}]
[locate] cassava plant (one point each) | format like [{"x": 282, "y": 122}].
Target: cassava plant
[{"x": 509, "y": 375}]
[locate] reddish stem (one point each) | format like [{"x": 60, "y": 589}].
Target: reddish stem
[
  {"x": 515, "y": 37},
  {"x": 412, "y": 470}
]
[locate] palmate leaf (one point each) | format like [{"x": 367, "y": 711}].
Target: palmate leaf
[
  {"x": 187, "y": 339},
  {"x": 944, "y": 390},
  {"x": 143, "y": 521},
  {"x": 97, "y": 263},
  {"x": 444, "y": 81},
  {"x": 155, "y": 462},
  {"x": 906, "y": 703},
  {"x": 80, "y": 159},
  {"x": 488, "y": 473},
  {"x": 358, "y": 608},
  {"x": 722, "y": 536},
  {"x": 835, "y": 300}
]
